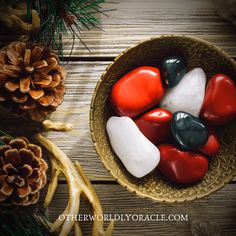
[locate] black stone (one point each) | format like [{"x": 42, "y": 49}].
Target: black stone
[
  {"x": 172, "y": 70},
  {"x": 189, "y": 131}
]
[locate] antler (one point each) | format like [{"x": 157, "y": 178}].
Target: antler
[
  {"x": 13, "y": 19},
  {"x": 97, "y": 208},
  {"x": 48, "y": 125},
  {"x": 24, "y": 27},
  {"x": 78, "y": 183}
]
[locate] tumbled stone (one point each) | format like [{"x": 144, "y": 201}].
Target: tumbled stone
[
  {"x": 219, "y": 106},
  {"x": 180, "y": 166},
  {"x": 172, "y": 70},
  {"x": 188, "y": 95},
  {"x": 136, "y": 152},
  {"x": 137, "y": 91},
  {"x": 189, "y": 131}
]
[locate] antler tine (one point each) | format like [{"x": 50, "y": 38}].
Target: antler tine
[
  {"x": 12, "y": 18},
  {"x": 48, "y": 125},
  {"x": 55, "y": 226},
  {"x": 72, "y": 178},
  {"x": 78, "y": 183},
  {"x": 24, "y": 27},
  {"x": 55, "y": 173},
  {"x": 78, "y": 231},
  {"x": 97, "y": 207},
  {"x": 110, "y": 229}
]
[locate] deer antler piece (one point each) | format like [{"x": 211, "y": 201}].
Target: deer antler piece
[
  {"x": 13, "y": 18},
  {"x": 48, "y": 125},
  {"x": 78, "y": 183},
  {"x": 24, "y": 27},
  {"x": 97, "y": 207}
]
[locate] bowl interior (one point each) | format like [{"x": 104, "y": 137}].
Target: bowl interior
[{"x": 197, "y": 53}]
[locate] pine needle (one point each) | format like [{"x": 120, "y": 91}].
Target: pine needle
[
  {"x": 3, "y": 133},
  {"x": 24, "y": 223},
  {"x": 60, "y": 18},
  {"x": 65, "y": 18}
]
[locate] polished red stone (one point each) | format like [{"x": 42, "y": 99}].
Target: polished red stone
[
  {"x": 181, "y": 167},
  {"x": 219, "y": 105},
  {"x": 137, "y": 91},
  {"x": 155, "y": 125},
  {"x": 212, "y": 146}
]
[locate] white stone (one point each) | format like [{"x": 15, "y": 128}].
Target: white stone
[
  {"x": 137, "y": 153},
  {"x": 188, "y": 94}
]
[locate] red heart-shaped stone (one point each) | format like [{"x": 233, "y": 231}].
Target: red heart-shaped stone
[
  {"x": 137, "y": 91},
  {"x": 182, "y": 167},
  {"x": 219, "y": 104},
  {"x": 212, "y": 146},
  {"x": 155, "y": 125}
]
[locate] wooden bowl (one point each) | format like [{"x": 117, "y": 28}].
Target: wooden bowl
[{"x": 198, "y": 53}]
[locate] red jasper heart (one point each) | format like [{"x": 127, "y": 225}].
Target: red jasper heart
[
  {"x": 137, "y": 91},
  {"x": 219, "y": 104},
  {"x": 212, "y": 146},
  {"x": 155, "y": 125},
  {"x": 182, "y": 167}
]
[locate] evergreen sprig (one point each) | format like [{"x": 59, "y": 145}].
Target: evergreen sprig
[
  {"x": 61, "y": 18},
  {"x": 3, "y": 133},
  {"x": 24, "y": 223}
]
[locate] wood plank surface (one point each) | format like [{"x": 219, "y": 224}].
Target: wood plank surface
[
  {"x": 136, "y": 20},
  {"x": 77, "y": 144},
  {"x": 219, "y": 209},
  {"x": 133, "y": 21}
]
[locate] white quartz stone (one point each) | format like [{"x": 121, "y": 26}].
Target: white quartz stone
[
  {"x": 188, "y": 94},
  {"x": 137, "y": 153}
]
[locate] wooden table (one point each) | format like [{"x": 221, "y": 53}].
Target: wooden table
[{"x": 133, "y": 21}]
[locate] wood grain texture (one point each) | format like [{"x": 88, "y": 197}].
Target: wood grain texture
[
  {"x": 136, "y": 20},
  {"x": 133, "y": 21},
  {"x": 219, "y": 208},
  {"x": 77, "y": 144}
]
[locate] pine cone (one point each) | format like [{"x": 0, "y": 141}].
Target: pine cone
[
  {"x": 22, "y": 171},
  {"x": 31, "y": 80}
]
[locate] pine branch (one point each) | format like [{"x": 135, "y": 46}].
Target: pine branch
[
  {"x": 24, "y": 223},
  {"x": 60, "y": 18},
  {"x": 3, "y": 133},
  {"x": 65, "y": 17}
]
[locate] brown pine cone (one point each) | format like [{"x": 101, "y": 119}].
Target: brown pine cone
[
  {"x": 22, "y": 171},
  {"x": 31, "y": 80}
]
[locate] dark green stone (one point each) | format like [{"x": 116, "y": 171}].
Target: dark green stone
[
  {"x": 189, "y": 131},
  {"x": 172, "y": 70}
]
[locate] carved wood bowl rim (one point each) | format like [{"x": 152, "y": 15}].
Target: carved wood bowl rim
[{"x": 153, "y": 186}]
